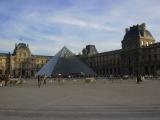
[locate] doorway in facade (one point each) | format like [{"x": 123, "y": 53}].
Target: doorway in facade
[
  {"x": 130, "y": 71},
  {"x": 23, "y": 73}
]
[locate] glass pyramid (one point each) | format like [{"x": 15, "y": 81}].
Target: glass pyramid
[{"x": 65, "y": 63}]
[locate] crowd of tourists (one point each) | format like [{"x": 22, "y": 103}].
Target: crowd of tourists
[
  {"x": 8, "y": 80},
  {"x": 41, "y": 78}
]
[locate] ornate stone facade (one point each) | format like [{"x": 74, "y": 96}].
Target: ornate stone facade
[
  {"x": 139, "y": 54},
  {"x": 21, "y": 62}
]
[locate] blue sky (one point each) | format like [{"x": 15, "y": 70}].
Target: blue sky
[{"x": 48, "y": 25}]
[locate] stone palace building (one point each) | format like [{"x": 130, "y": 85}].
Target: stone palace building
[
  {"x": 21, "y": 62},
  {"x": 139, "y": 54}
]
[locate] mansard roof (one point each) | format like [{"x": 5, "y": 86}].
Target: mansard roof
[
  {"x": 20, "y": 46},
  {"x": 4, "y": 54},
  {"x": 45, "y": 56},
  {"x": 137, "y": 31}
]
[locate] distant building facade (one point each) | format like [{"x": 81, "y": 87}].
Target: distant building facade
[
  {"x": 21, "y": 62},
  {"x": 139, "y": 55}
]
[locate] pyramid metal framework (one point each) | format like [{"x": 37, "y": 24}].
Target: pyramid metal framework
[{"x": 65, "y": 63}]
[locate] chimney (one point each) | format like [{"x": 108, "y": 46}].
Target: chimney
[
  {"x": 15, "y": 45},
  {"x": 126, "y": 30},
  {"x": 143, "y": 26}
]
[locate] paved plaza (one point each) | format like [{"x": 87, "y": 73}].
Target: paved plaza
[{"x": 77, "y": 100}]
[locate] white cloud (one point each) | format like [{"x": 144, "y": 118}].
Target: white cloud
[{"x": 66, "y": 20}]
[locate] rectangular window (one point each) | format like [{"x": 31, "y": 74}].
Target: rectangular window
[
  {"x": 142, "y": 43},
  {"x": 147, "y": 43},
  {"x": 155, "y": 57}
]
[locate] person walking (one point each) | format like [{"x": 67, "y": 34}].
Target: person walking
[
  {"x": 44, "y": 80},
  {"x": 6, "y": 79},
  {"x": 138, "y": 78},
  {"x": 39, "y": 81}
]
